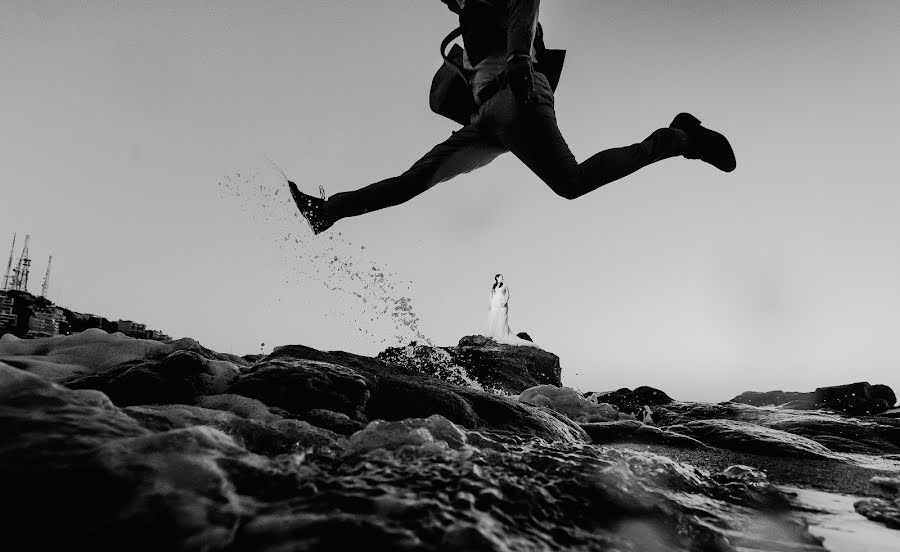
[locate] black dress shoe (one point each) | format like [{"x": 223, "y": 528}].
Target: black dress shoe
[
  {"x": 312, "y": 208},
  {"x": 705, "y": 144}
]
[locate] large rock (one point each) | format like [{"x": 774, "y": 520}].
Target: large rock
[
  {"x": 854, "y": 398},
  {"x": 439, "y": 467},
  {"x": 278, "y": 436},
  {"x": 747, "y": 437},
  {"x": 569, "y": 402},
  {"x": 481, "y": 363},
  {"x": 104, "y": 482},
  {"x": 178, "y": 378},
  {"x": 92, "y": 351},
  {"x": 776, "y": 398},
  {"x": 886, "y": 511},
  {"x": 631, "y": 401},
  {"x": 844, "y": 434},
  {"x": 879, "y": 391},
  {"x": 510, "y": 367},
  {"x": 343, "y": 392},
  {"x": 838, "y": 432}
]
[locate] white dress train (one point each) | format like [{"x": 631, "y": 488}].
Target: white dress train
[{"x": 498, "y": 319}]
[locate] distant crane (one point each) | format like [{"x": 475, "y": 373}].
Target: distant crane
[
  {"x": 46, "y": 278},
  {"x": 20, "y": 273},
  {"x": 9, "y": 264}
]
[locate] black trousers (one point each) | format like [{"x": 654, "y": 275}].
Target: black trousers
[{"x": 531, "y": 134}]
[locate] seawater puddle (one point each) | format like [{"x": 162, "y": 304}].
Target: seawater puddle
[
  {"x": 366, "y": 294},
  {"x": 836, "y": 521}
]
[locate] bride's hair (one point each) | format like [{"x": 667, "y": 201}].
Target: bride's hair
[{"x": 496, "y": 277}]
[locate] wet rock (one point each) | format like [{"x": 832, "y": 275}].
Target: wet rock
[
  {"x": 404, "y": 495},
  {"x": 337, "y": 530},
  {"x": 270, "y": 438},
  {"x": 107, "y": 482},
  {"x": 882, "y": 510},
  {"x": 93, "y": 351},
  {"x": 884, "y": 393},
  {"x": 626, "y": 400},
  {"x": 747, "y": 437},
  {"x": 843, "y": 434},
  {"x": 683, "y": 412},
  {"x": 569, "y": 402},
  {"x": 776, "y": 398},
  {"x": 178, "y": 378},
  {"x": 433, "y": 361},
  {"x": 301, "y": 386},
  {"x": 745, "y": 473},
  {"x": 837, "y": 432},
  {"x": 314, "y": 450},
  {"x": 305, "y": 382},
  {"x": 481, "y": 362},
  {"x": 633, "y": 431},
  {"x": 434, "y": 433},
  {"x": 853, "y": 398},
  {"x": 525, "y": 336},
  {"x": 244, "y": 407},
  {"x": 181, "y": 477}
]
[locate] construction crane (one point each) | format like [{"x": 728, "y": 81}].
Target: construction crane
[
  {"x": 9, "y": 264},
  {"x": 46, "y": 278},
  {"x": 20, "y": 273}
]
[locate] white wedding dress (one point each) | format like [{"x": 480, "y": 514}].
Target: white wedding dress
[{"x": 498, "y": 319}]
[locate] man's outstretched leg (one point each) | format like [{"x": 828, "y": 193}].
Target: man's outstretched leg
[
  {"x": 532, "y": 134},
  {"x": 466, "y": 150}
]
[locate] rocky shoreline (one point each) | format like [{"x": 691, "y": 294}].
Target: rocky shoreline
[{"x": 119, "y": 443}]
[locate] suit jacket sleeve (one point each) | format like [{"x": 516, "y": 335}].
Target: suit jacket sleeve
[{"x": 522, "y": 18}]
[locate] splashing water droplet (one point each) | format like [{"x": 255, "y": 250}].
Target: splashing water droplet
[{"x": 375, "y": 294}]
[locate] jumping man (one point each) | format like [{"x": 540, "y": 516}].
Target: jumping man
[{"x": 506, "y": 67}]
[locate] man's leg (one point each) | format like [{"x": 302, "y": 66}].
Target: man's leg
[
  {"x": 532, "y": 134},
  {"x": 466, "y": 150}
]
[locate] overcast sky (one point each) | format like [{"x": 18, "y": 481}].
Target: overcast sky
[{"x": 134, "y": 140}]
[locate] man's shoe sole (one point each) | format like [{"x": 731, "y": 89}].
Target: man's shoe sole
[{"x": 714, "y": 147}]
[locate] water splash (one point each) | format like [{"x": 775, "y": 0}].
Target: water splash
[{"x": 365, "y": 293}]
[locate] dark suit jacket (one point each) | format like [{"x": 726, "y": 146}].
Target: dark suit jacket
[
  {"x": 487, "y": 27},
  {"x": 510, "y": 26}
]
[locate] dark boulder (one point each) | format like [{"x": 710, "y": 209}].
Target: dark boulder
[
  {"x": 178, "y": 378},
  {"x": 632, "y": 401},
  {"x": 843, "y": 434},
  {"x": 776, "y": 398},
  {"x": 105, "y": 481},
  {"x": 525, "y": 336},
  {"x": 884, "y": 392},
  {"x": 481, "y": 362},
  {"x": 302, "y": 386},
  {"x": 886, "y": 511},
  {"x": 341, "y": 392},
  {"x": 837, "y": 431},
  {"x": 752, "y": 438},
  {"x": 283, "y": 436},
  {"x": 854, "y": 398}
]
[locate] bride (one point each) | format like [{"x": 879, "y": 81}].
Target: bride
[{"x": 498, "y": 316}]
